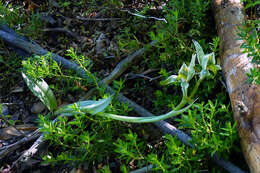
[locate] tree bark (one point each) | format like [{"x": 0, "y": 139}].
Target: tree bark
[{"x": 245, "y": 98}]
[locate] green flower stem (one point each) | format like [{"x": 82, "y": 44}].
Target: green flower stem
[
  {"x": 145, "y": 119},
  {"x": 181, "y": 104},
  {"x": 195, "y": 89},
  {"x": 186, "y": 100}
]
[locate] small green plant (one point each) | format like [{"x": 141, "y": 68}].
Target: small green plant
[
  {"x": 251, "y": 46},
  {"x": 21, "y": 22},
  {"x": 251, "y": 3},
  {"x": 176, "y": 157},
  {"x": 184, "y": 21},
  {"x": 74, "y": 142},
  {"x": 173, "y": 156},
  {"x": 210, "y": 130},
  {"x": 131, "y": 148}
]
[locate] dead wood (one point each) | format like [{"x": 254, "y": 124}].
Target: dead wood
[
  {"x": 16, "y": 130},
  {"x": 4, "y": 151},
  {"x": 120, "y": 68},
  {"x": 245, "y": 98},
  {"x": 124, "y": 64},
  {"x": 97, "y": 19},
  {"x": 10, "y": 37},
  {"x": 30, "y": 152},
  {"x": 67, "y": 31}
]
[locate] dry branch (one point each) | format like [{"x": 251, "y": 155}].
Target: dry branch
[
  {"x": 10, "y": 37},
  {"x": 97, "y": 19},
  {"x": 4, "y": 151},
  {"x": 245, "y": 98},
  {"x": 31, "y": 151},
  {"x": 120, "y": 68},
  {"x": 67, "y": 31},
  {"x": 145, "y": 17},
  {"x": 124, "y": 64}
]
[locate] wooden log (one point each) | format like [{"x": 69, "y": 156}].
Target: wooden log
[{"x": 245, "y": 98}]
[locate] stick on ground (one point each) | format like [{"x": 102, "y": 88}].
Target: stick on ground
[
  {"x": 4, "y": 151},
  {"x": 120, "y": 68}
]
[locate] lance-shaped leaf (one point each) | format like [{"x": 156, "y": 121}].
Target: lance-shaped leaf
[
  {"x": 212, "y": 64},
  {"x": 199, "y": 51},
  {"x": 191, "y": 70},
  {"x": 206, "y": 60},
  {"x": 212, "y": 59},
  {"x": 41, "y": 90},
  {"x": 89, "y": 106}
]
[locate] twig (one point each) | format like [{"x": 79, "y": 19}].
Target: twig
[
  {"x": 10, "y": 148},
  {"x": 150, "y": 70},
  {"x": 30, "y": 152},
  {"x": 146, "y": 17},
  {"x": 143, "y": 75},
  {"x": 33, "y": 48},
  {"x": 133, "y": 76},
  {"x": 6, "y": 120},
  {"x": 33, "y": 149},
  {"x": 97, "y": 19},
  {"x": 119, "y": 69},
  {"x": 74, "y": 35},
  {"x": 124, "y": 64}
]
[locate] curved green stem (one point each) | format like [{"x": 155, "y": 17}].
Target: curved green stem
[
  {"x": 195, "y": 89},
  {"x": 186, "y": 100},
  {"x": 178, "y": 110},
  {"x": 145, "y": 119},
  {"x": 181, "y": 104}
]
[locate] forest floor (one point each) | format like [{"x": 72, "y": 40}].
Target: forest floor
[{"x": 106, "y": 33}]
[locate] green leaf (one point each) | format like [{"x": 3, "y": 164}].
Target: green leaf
[
  {"x": 89, "y": 106},
  {"x": 191, "y": 70},
  {"x": 212, "y": 59},
  {"x": 41, "y": 90},
  {"x": 199, "y": 51},
  {"x": 205, "y": 61},
  {"x": 252, "y": 4},
  {"x": 192, "y": 62}
]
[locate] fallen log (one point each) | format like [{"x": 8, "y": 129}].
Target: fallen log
[
  {"x": 30, "y": 47},
  {"x": 245, "y": 98}
]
